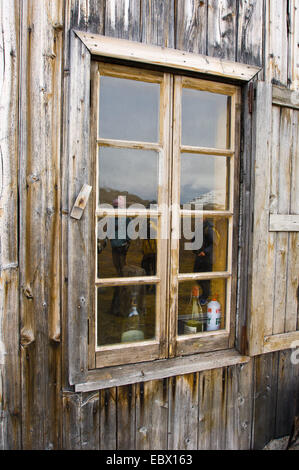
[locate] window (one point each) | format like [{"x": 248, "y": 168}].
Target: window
[
  {"x": 159, "y": 146},
  {"x": 165, "y": 150}
]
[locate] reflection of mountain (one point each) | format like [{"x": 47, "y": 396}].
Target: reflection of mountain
[
  {"x": 107, "y": 196},
  {"x": 212, "y": 200}
]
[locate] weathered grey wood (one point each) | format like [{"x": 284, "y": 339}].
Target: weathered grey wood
[
  {"x": 90, "y": 419},
  {"x": 126, "y": 416},
  {"x": 71, "y": 439},
  {"x": 157, "y": 22},
  {"x": 265, "y": 399},
  {"x": 10, "y": 378},
  {"x": 277, "y": 42},
  {"x": 122, "y": 19},
  {"x": 261, "y": 149},
  {"x": 108, "y": 419},
  {"x": 212, "y": 409},
  {"x": 222, "y": 29},
  {"x": 96, "y": 16},
  {"x": 287, "y": 394},
  {"x": 191, "y": 26},
  {"x": 251, "y": 22},
  {"x": 283, "y": 207},
  {"x": 116, "y": 376},
  {"x": 239, "y": 406},
  {"x": 80, "y": 290},
  {"x": 183, "y": 428},
  {"x": 284, "y": 223},
  {"x": 285, "y": 97},
  {"x": 39, "y": 221},
  {"x": 152, "y": 415},
  {"x": 279, "y": 342},
  {"x": 245, "y": 220}
]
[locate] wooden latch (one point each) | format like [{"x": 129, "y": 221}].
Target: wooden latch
[{"x": 81, "y": 202}]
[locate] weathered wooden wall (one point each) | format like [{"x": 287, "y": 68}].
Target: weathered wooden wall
[{"x": 235, "y": 407}]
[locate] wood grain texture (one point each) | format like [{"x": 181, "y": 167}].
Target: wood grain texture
[
  {"x": 277, "y": 38},
  {"x": 261, "y": 149},
  {"x": 191, "y": 26},
  {"x": 157, "y": 22},
  {"x": 250, "y": 44},
  {"x": 10, "y": 378},
  {"x": 222, "y": 18},
  {"x": 152, "y": 421},
  {"x": 39, "y": 222}
]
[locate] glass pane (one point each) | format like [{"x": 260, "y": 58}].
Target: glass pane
[
  {"x": 197, "y": 314},
  {"x": 129, "y": 109},
  {"x": 130, "y": 173},
  {"x": 205, "y": 119},
  {"x": 205, "y": 181},
  {"x": 203, "y": 244},
  {"x": 127, "y": 246},
  {"x": 126, "y": 314}
]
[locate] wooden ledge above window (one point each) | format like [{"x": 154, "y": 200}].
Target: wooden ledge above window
[
  {"x": 160, "y": 369},
  {"x": 122, "y": 49}
]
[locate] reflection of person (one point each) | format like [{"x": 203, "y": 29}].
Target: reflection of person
[
  {"x": 149, "y": 249},
  {"x": 204, "y": 258},
  {"x": 119, "y": 246}
]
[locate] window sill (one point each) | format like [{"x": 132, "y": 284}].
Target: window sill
[{"x": 145, "y": 371}]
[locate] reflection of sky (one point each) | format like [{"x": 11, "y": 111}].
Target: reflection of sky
[
  {"x": 129, "y": 109},
  {"x": 198, "y": 175},
  {"x": 203, "y": 118},
  {"x": 134, "y": 171}
]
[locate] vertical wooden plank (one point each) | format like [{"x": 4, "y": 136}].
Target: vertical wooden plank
[
  {"x": 265, "y": 398},
  {"x": 39, "y": 222},
  {"x": 157, "y": 22},
  {"x": 292, "y": 301},
  {"x": 152, "y": 415},
  {"x": 90, "y": 421},
  {"x": 245, "y": 220},
  {"x": 250, "y": 32},
  {"x": 126, "y": 413},
  {"x": 294, "y": 44},
  {"x": 239, "y": 407},
  {"x": 183, "y": 412},
  {"x": 96, "y": 16},
  {"x": 71, "y": 421},
  {"x": 282, "y": 238},
  {"x": 277, "y": 42},
  {"x": 222, "y": 29},
  {"x": 191, "y": 25},
  {"x": 271, "y": 236},
  {"x": 108, "y": 419},
  {"x": 261, "y": 151},
  {"x": 122, "y": 19},
  {"x": 212, "y": 410},
  {"x": 287, "y": 394},
  {"x": 10, "y": 378},
  {"x": 80, "y": 290}
]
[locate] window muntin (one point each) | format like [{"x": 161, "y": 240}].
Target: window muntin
[{"x": 173, "y": 277}]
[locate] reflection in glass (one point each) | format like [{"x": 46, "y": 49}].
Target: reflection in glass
[
  {"x": 204, "y": 119},
  {"x": 207, "y": 251},
  {"x": 196, "y": 316},
  {"x": 125, "y": 314},
  {"x": 127, "y": 246},
  {"x": 204, "y": 181},
  {"x": 129, "y": 109},
  {"x": 128, "y": 172}
]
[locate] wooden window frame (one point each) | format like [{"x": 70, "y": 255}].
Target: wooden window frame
[{"x": 80, "y": 170}]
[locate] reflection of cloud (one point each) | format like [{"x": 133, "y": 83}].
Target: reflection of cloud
[
  {"x": 129, "y": 109},
  {"x": 199, "y": 175},
  {"x": 127, "y": 170}
]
